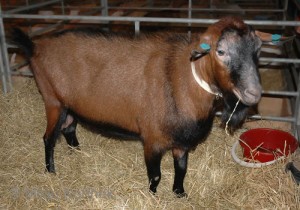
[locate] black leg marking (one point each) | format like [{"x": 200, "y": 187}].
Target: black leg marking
[
  {"x": 70, "y": 134},
  {"x": 49, "y": 154},
  {"x": 153, "y": 170},
  {"x": 180, "y": 166}
]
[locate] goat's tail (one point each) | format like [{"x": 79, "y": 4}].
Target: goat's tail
[{"x": 23, "y": 41}]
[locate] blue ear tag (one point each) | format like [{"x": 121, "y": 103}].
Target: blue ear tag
[
  {"x": 205, "y": 46},
  {"x": 195, "y": 54},
  {"x": 276, "y": 38}
]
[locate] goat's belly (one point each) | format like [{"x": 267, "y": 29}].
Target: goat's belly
[{"x": 120, "y": 114}]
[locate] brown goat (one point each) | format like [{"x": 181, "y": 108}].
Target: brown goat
[{"x": 145, "y": 86}]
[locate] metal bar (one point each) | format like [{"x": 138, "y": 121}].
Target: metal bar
[
  {"x": 297, "y": 108},
  {"x": 198, "y": 9},
  {"x": 2, "y": 73},
  {"x": 272, "y": 118},
  {"x": 285, "y": 9},
  {"x": 149, "y": 3},
  {"x": 182, "y": 9},
  {"x": 190, "y": 10},
  {"x": 2, "y": 67},
  {"x": 29, "y": 7},
  {"x": 189, "y": 17},
  {"x": 280, "y": 93},
  {"x": 45, "y": 29},
  {"x": 16, "y": 66},
  {"x": 23, "y": 73},
  {"x": 104, "y": 7},
  {"x": 272, "y": 23},
  {"x": 6, "y": 78},
  {"x": 137, "y": 27},
  {"x": 280, "y": 60},
  {"x": 146, "y": 19},
  {"x": 62, "y": 7}
]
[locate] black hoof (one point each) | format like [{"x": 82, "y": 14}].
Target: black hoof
[
  {"x": 153, "y": 193},
  {"x": 50, "y": 169},
  {"x": 180, "y": 193},
  {"x": 76, "y": 147},
  {"x": 152, "y": 190}
]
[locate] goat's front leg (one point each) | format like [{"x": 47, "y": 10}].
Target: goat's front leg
[
  {"x": 153, "y": 160},
  {"x": 180, "y": 165}
]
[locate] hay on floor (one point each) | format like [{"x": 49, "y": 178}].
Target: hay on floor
[{"x": 111, "y": 174}]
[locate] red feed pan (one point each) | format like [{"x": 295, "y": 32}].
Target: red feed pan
[{"x": 264, "y": 144}]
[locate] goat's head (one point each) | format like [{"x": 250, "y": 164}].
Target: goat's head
[
  {"x": 235, "y": 49},
  {"x": 233, "y": 52}
]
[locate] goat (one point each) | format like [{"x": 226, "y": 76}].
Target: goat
[{"x": 146, "y": 85}]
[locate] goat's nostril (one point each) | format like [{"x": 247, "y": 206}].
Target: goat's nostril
[{"x": 253, "y": 93}]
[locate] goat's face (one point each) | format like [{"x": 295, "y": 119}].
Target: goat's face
[{"x": 238, "y": 52}]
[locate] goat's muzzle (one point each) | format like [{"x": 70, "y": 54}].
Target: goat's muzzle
[{"x": 249, "y": 96}]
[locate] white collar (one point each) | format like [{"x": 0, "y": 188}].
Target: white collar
[{"x": 202, "y": 83}]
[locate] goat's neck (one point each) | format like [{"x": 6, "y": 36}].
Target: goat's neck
[
  {"x": 191, "y": 99},
  {"x": 202, "y": 71},
  {"x": 203, "y": 84}
]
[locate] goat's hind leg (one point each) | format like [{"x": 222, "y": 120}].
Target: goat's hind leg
[
  {"x": 58, "y": 120},
  {"x": 54, "y": 120}
]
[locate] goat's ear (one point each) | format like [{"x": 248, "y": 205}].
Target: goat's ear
[
  {"x": 273, "y": 39},
  {"x": 195, "y": 54}
]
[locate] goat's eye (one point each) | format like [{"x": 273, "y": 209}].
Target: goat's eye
[{"x": 221, "y": 52}]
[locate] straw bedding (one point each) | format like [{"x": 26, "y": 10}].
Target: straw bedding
[{"x": 110, "y": 174}]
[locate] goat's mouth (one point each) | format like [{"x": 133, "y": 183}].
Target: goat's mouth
[{"x": 249, "y": 96}]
